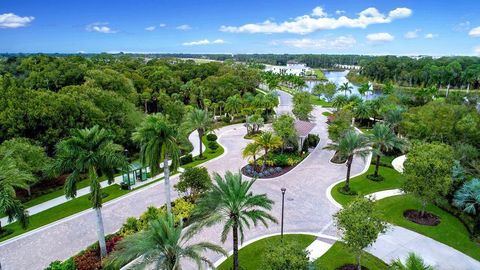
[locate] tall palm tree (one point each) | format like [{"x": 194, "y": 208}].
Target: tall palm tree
[
  {"x": 162, "y": 245},
  {"x": 413, "y": 262},
  {"x": 11, "y": 177},
  {"x": 364, "y": 89},
  {"x": 268, "y": 141},
  {"x": 233, "y": 104},
  {"x": 393, "y": 117},
  {"x": 90, "y": 151},
  {"x": 363, "y": 111},
  {"x": 468, "y": 199},
  {"x": 339, "y": 101},
  {"x": 199, "y": 120},
  {"x": 158, "y": 140},
  {"x": 351, "y": 144},
  {"x": 232, "y": 202},
  {"x": 345, "y": 87},
  {"x": 252, "y": 150},
  {"x": 384, "y": 139}
]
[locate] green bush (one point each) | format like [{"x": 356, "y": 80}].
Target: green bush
[
  {"x": 286, "y": 256},
  {"x": 212, "y": 145},
  {"x": 281, "y": 160},
  {"x": 211, "y": 137},
  {"x": 226, "y": 119},
  {"x": 130, "y": 226},
  {"x": 313, "y": 140},
  {"x": 186, "y": 159},
  {"x": 66, "y": 265}
]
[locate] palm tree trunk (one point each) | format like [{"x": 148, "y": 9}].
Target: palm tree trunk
[
  {"x": 235, "y": 245},
  {"x": 377, "y": 164},
  {"x": 359, "y": 265},
  {"x": 347, "y": 180},
  {"x": 166, "y": 173},
  {"x": 264, "y": 159},
  {"x": 476, "y": 226},
  {"x": 145, "y": 105},
  {"x": 101, "y": 232},
  {"x": 200, "y": 135}
]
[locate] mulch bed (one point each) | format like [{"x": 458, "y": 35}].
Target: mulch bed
[
  {"x": 276, "y": 174},
  {"x": 350, "y": 267},
  {"x": 428, "y": 219},
  {"x": 337, "y": 160}
]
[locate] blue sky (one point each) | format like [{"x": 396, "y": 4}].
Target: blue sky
[{"x": 261, "y": 26}]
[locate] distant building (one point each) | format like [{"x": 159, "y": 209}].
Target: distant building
[{"x": 292, "y": 68}]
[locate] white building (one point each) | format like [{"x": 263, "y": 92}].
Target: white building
[{"x": 292, "y": 68}]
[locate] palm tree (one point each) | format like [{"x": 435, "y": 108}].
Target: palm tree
[
  {"x": 468, "y": 199},
  {"x": 363, "y": 111},
  {"x": 158, "y": 141},
  {"x": 232, "y": 202},
  {"x": 268, "y": 141},
  {"x": 339, "y": 101},
  {"x": 11, "y": 178},
  {"x": 233, "y": 104},
  {"x": 393, "y": 117},
  {"x": 91, "y": 151},
  {"x": 351, "y": 144},
  {"x": 364, "y": 89},
  {"x": 384, "y": 139},
  {"x": 163, "y": 245},
  {"x": 199, "y": 120},
  {"x": 413, "y": 262},
  {"x": 345, "y": 87},
  {"x": 252, "y": 150}
]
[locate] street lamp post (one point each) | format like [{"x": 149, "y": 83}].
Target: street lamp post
[{"x": 283, "y": 203}]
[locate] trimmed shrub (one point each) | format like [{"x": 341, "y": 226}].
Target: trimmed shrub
[
  {"x": 226, "y": 119},
  {"x": 66, "y": 265},
  {"x": 213, "y": 145},
  {"x": 377, "y": 178},
  {"x": 211, "y": 137},
  {"x": 130, "y": 226},
  {"x": 88, "y": 260},
  {"x": 186, "y": 159}
]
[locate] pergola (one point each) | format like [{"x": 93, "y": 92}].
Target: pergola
[
  {"x": 303, "y": 128},
  {"x": 135, "y": 172}
]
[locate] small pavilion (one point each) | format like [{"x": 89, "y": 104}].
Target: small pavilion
[
  {"x": 303, "y": 128},
  {"x": 136, "y": 172}
]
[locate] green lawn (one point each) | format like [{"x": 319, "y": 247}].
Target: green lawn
[
  {"x": 339, "y": 255},
  {"x": 320, "y": 102},
  {"x": 320, "y": 74},
  {"x": 327, "y": 113},
  {"x": 52, "y": 195},
  {"x": 450, "y": 231},
  {"x": 207, "y": 154},
  {"x": 363, "y": 186},
  {"x": 63, "y": 210},
  {"x": 250, "y": 257}
]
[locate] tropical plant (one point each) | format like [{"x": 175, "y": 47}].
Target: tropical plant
[
  {"x": 359, "y": 224},
  {"x": 413, "y": 262},
  {"x": 467, "y": 198},
  {"x": 199, "y": 120},
  {"x": 158, "y": 140},
  {"x": 234, "y": 104},
  {"x": 268, "y": 141},
  {"x": 254, "y": 123},
  {"x": 364, "y": 89},
  {"x": 339, "y": 101},
  {"x": 252, "y": 150},
  {"x": 11, "y": 177},
  {"x": 194, "y": 181},
  {"x": 393, "y": 117},
  {"x": 90, "y": 151},
  {"x": 345, "y": 87},
  {"x": 284, "y": 126},
  {"x": 163, "y": 246},
  {"x": 383, "y": 139},
  {"x": 285, "y": 256},
  {"x": 302, "y": 105},
  {"x": 363, "y": 111},
  {"x": 351, "y": 144},
  {"x": 232, "y": 202}
]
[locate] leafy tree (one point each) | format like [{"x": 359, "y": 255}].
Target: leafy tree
[
  {"x": 388, "y": 88},
  {"x": 162, "y": 244},
  {"x": 427, "y": 171},
  {"x": 232, "y": 202},
  {"x": 341, "y": 123},
  {"x": 194, "y": 181},
  {"x": 285, "y": 256},
  {"x": 345, "y": 87},
  {"x": 327, "y": 90},
  {"x": 284, "y": 126},
  {"x": 268, "y": 141},
  {"x": 351, "y": 144},
  {"x": 90, "y": 151},
  {"x": 383, "y": 140},
  {"x": 467, "y": 198},
  {"x": 360, "y": 225},
  {"x": 413, "y": 262},
  {"x": 11, "y": 178},
  {"x": 252, "y": 150},
  {"x": 158, "y": 140},
  {"x": 302, "y": 105},
  {"x": 199, "y": 120}
]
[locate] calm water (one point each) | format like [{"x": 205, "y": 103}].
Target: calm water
[{"x": 338, "y": 78}]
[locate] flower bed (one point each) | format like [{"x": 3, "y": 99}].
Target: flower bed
[{"x": 276, "y": 164}]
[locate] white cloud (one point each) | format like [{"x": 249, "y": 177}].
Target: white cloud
[
  {"x": 340, "y": 12},
  {"x": 10, "y": 20},
  {"x": 340, "y": 42},
  {"x": 474, "y": 32},
  {"x": 319, "y": 12},
  {"x": 307, "y": 24},
  {"x": 476, "y": 50},
  {"x": 412, "y": 34},
  {"x": 162, "y": 25},
  {"x": 430, "y": 36},
  {"x": 151, "y": 28},
  {"x": 184, "y": 27},
  {"x": 203, "y": 42},
  {"x": 463, "y": 26},
  {"x": 380, "y": 37},
  {"x": 100, "y": 28}
]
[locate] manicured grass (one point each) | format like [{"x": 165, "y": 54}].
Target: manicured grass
[
  {"x": 207, "y": 154},
  {"x": 250, "y": 257},
  {"x": 63, "y": 210},
  {"x": 52, "y": 195},
  {"x": 320, "y": 102},
  {"x": 450, "y": 231},
  {"x": 320, "y": 75},
  {"x": 327, "y": 113},
  {"x": 339, "y": 255},
  {"x": 363, "y": 186}
]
